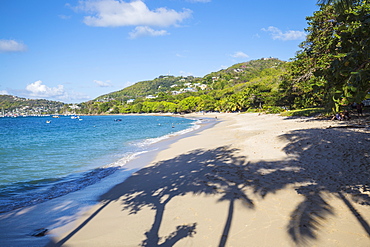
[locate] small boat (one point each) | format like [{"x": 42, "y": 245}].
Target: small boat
[
  {"x": 55, "y": 116},
  {"x": 48, "y": 121},
  {"x": 117, "y": 120}
]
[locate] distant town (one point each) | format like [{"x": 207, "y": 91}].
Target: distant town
[{"x": 13, "y": 106}]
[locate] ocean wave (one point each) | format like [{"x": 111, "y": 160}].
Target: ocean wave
[
  {"x": 147, "y": 142},
  {"x": 127, "y": 158}
]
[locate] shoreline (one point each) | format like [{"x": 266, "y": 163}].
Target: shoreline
[
  {"x": 97, "y": 169},
  {"x": 17, "y": 225},
  {"x": 263, "y": 179}
]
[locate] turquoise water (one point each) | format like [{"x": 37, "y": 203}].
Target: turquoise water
[{"x": 43, "y": 157}]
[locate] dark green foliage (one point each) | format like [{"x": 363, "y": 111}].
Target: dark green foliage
[
  {"x": 308, "y": 112},
  {"x": 343, "y": 5},
  {"x": 10, "y": 103},
  {"x": 349, "y": 71},
  {"x": 333, "y": 67}
]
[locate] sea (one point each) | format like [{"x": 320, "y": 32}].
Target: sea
[{"x": 42, "y": 158}]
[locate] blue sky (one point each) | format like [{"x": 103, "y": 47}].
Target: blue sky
[{"x": 73, "y": 51}]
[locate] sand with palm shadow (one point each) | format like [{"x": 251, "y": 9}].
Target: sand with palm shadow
[{"x": 250, "y": 180}]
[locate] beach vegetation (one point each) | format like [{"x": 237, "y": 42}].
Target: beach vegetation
[
  {"x": 332, "y": 68},
  {"x": 306, "y": 112}
]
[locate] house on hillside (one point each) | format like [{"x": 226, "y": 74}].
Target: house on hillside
[
  {"x": 188, "y": 89},
  {"x": 201, "y": 86},
  {"x": 175, "y": 92}
]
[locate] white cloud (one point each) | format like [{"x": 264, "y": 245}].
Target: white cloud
[
  {"x": 146, "y": 31},
  {"x": 239, "y": 54},
  {"x": 102, "y": 83},
  {"x": 114, "y": 13},
  {"x": 37, "y": 89},
  {"x": 289, "y": 35},
  {"x": 3, "y": 92},
  {"x": 11, "y": 46},
  {"x": 40, "y": 90}
]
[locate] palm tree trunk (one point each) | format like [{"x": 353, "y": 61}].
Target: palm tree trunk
[
  {"x": 358, "y": 216},
  {"x": 228, "y": 224}
]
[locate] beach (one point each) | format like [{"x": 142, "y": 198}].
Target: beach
[{"x": 246, "y": 180}]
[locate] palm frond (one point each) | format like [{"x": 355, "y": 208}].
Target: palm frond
[{"x": 306, "y": 219}]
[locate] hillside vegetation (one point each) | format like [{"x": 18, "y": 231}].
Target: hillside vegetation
[
  {"x": 240, "y": 87},
  {"x": 21, "y": 106}
]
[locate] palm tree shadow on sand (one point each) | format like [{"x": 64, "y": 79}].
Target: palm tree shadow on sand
[
  {"x": 198, "y": 172},
  {"x": 314, "y": 169},
  {"x": 324, "y": 163}
]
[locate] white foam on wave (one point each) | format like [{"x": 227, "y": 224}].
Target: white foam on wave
[
  {"x": 126, "y": 159},
  {"x": 150, "y": 141}
]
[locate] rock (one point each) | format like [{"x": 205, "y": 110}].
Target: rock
[{"x": 39, "y": 232}]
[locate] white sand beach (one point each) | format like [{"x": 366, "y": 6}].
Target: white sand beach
[{"x": 251, "y": 180}]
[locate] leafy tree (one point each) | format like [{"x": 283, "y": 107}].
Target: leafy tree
[
  {"x": 104, "y": 107},
  {"x": 136, "y": 108},
  {"x": 333, "y": 66},
  {"x": 208, "y": 102},
  {"x": 343, "y": 5},
  {"x": 301, "y": 85},
  {"x": 349, "y": 72},
  {"x": 115, "y": 110},
  {"x": 190, "y": 104}
]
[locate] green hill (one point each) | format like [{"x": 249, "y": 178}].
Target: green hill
[
  {"x": 140, "y": 89},
  {"x": 236, "y": 74},
  {"x": 237, "y": 88},
  {"x": 16, "y": 105}
]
